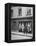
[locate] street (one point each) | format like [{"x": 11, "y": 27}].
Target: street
[{"x": 18, "y": 36}]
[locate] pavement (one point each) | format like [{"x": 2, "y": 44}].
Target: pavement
[{"x": 20, "y": 35}]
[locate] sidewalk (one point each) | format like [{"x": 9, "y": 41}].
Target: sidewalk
[{"x": 18, "y": 36}]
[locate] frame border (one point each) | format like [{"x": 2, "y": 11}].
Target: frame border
[{"x": 8, "y": 21}]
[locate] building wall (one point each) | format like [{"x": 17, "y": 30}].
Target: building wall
[{"x": 24, "y": 11}]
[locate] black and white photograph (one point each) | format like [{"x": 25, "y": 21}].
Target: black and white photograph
[{"x": 20, "y": 24}]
